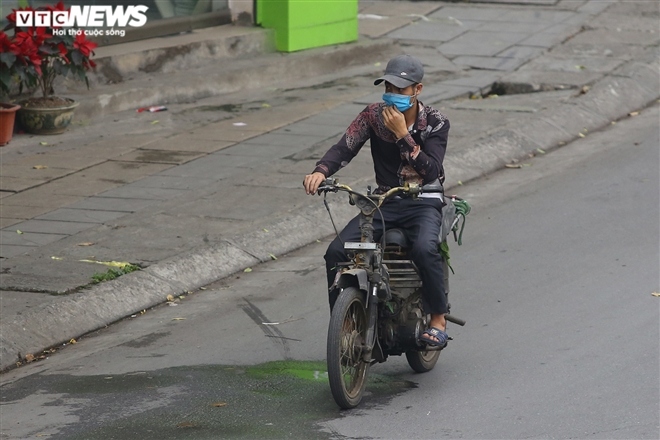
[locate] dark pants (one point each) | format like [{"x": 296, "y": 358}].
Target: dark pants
[{"x": 420, "y": 219}]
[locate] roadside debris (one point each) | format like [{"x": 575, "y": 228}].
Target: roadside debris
[{"x": 152, "y": 109}]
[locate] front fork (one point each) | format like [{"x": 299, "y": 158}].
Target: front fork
[{"x": 372, "y": 315}]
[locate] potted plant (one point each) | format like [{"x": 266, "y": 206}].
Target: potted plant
[
  {"x": 48, "y": 52},
  {"x": 10, "y": 56}
]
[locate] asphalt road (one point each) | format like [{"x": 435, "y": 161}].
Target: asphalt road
[{"x": 555, "y": 278}]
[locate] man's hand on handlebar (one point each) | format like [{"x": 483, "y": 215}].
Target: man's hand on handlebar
[{"x": 312, "y": 182}]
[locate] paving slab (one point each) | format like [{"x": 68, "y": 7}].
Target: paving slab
[
  {"x": 11, "y": 237},
  {"x": 6, "y": 221},
  {"x": 220, "y": 134},
  {"x": 41, "y": 197},
  {"x": 306, "y": 128},
  {"x": 214, "y": 166},
  {"x": 545, "y": 40},
  {"x": 615, "y": 22},
  {"x": 433, "y": 60},
  {"x": 184, "y": 143},
  {"x": 71, "y": 159},
  {"x": 54, "y": 276},
  {"x": 105, "y": 176},
  {"x": 606, "y": 36},
  {"x": 586, "y": 64},
  {"x": 520, "y": 2},
  {"x": 10, "y": 250},
  {"x": 24, "y": 212},
  {"x": 16, "y": 184},
  {"x": 52, "y": 227},
  {"x": 530, "y": 26},
  {"x": 160, "y": 156},
  {"x": 609, "y": 51},
  {"x": 275, "y": 141},
  {"x": 504, "y": 64},
  {"x": 399, "y": 9},
  {"x": 478, "y": 13},
  {"x": 132, "y": 191},
  {"x": 112, "y": 204},
  {"x": 172, "y": 182},
  {"x": 17, "y": 303},
  {"x": 433, "y": 31},
  {"x": 37, "y": 172},
  {"x": 527, "y": 81},
  {"x": 482, "y": 43},
  {"x": 535, "y": 15},
  {"x": 81, "y": 215},
  {"x": 379, "y": 26}
]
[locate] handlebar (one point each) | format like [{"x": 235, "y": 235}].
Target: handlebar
[{"x": 412, "y": 189}]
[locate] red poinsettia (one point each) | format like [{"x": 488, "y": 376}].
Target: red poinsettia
[{"x": 37, "y": 55}]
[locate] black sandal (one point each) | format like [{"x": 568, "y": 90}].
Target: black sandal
[{"x": 440, "y": 336}]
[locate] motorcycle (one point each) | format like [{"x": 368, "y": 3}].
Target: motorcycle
[{"x": 379, "y": 310}]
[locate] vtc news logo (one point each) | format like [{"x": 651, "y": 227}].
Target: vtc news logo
[{"x": 85, "y": 16}]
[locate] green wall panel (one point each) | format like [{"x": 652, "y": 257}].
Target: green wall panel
[{"x": 304, "y": 24}]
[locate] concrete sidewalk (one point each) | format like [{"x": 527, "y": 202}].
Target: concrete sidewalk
[{"x": 213, "y": 185}]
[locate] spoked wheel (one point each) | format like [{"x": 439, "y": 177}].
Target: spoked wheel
[
  {"x": 347, "y": 370},
  {"x": 422, "y": 361}
]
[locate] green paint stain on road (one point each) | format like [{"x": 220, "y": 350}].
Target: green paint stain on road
[{"x": 282, "y": 399}]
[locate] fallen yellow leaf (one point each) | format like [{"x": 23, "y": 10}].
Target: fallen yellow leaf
[
  {"x": 19, "y": 232},
  {"x": 656, "y": 294},
  {"x": 581, "y": 135},
  {"x": 178, "y": 319},
  {"x": 56, "y": 258},
  {"x": 170, "y": 298},
  {"x": 219, "y": 404},
  {"x": 249, "y": 269},
  {"x": 29, "y": 357},
  {"x": 73, "y": 341},
  {"x": 43, "y": 143},
  {"x": 513, "y": 165},
  {"x": 86, "y": 243},
  {"x": 633, "y": 114},
  {"x": 272, "y": 257},
  {"x": 40, "y": 167},
  {"x": 119, "y": 264}
]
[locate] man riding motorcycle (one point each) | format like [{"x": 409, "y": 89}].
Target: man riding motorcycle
[{"x": 408, "y": 144}]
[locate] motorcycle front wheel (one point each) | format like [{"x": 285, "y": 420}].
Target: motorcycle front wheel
[{"x": 347, "y": 370}]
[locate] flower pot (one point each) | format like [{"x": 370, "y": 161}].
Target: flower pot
[
  {"x": 50, "y": 115},
  {"x": 7, "y": 117}
]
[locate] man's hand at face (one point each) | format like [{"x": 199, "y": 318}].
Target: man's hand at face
[
  {"x": 312, "y": 182},
  {"x": 395, "y": 121}
]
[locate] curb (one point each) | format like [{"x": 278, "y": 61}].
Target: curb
[{"x": 613, "y": 97}]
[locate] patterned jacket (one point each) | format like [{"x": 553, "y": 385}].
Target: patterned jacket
[{"x": 395, "y": 162}]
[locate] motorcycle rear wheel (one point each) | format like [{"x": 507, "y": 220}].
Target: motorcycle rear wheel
[
  {"x": 422, "y": 361},
  {"x": 347, "y": 370}
]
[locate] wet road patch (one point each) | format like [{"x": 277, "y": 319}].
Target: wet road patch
[{"x": 282, "y": 399}]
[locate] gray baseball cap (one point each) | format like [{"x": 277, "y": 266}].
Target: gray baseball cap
[{"x": 402, "y": 71}]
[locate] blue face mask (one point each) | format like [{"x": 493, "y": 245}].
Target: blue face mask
[{"x": 402, "y": 102}]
